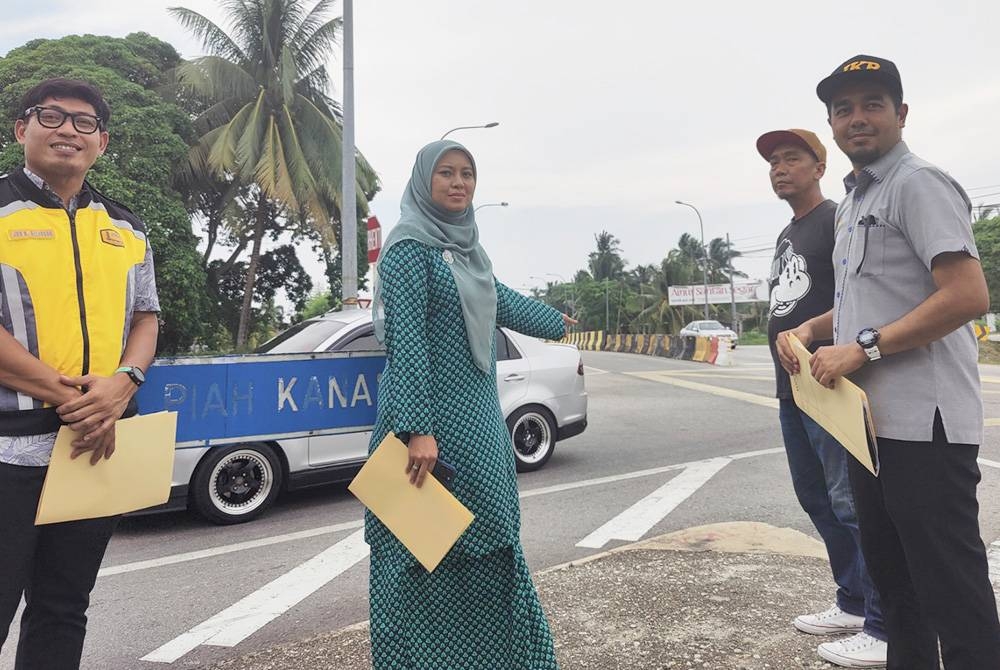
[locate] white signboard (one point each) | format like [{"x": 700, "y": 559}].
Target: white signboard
[{"x": 717, "y": 294}]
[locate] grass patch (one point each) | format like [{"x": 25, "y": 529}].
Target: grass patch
[
  {"x": 753, "y": 337},
  {"x": 989, "y": 352}
]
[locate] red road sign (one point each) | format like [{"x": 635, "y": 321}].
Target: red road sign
[{"x": 374, "y": 239}]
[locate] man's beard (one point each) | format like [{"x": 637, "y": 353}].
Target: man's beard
[{"x": 864, "y": 156}]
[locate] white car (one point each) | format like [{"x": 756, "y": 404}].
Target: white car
[
  {"x": 709, "y": 329},
  {"x": 542, "y": 395}
]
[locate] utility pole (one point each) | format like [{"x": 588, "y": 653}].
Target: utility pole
[
  {"x": 606, "y": 319},
  {"x": 348, "y": 208},
  {"x": 732, "y": 285}
]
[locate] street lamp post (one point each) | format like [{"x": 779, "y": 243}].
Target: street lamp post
[
  {"x": 492, "y": 204},
  {"x": 704, "y": 266},
  {"x": 349, "y": 188},
  {"x": 491, "y": 124}
]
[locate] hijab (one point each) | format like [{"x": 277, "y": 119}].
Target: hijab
[{"x": 457, "y": 236}]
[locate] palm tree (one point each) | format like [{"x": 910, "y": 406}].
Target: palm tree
[
  {"x": 269, "y": 122},
  {"x": 606, "y": 262},
  {"x": 720, "y": 257}
]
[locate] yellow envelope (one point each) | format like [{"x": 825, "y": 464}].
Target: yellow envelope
[
  {"x": 138, "y": 474},
  {"x": 428, "y": 521},
  {"x": 842, "y": 411}
]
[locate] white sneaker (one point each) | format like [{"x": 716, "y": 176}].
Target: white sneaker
[
  {"x": 858, "y": 651},
  {"x": 830, "y": 622}
]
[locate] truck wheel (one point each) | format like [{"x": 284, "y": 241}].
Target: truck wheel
[
  {"x": 533, "y": 432},
  {"x": 236, "y": 483}
]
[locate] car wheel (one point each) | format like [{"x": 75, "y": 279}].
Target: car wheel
[
  {"x": 533, "y": 432},
  {"x": 237, "y": 483}
]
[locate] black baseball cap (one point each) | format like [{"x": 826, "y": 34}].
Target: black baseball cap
[{"x": 860, "y": 68}]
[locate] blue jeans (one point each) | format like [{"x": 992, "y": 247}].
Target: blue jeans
[{"x": 819, "y": 476}]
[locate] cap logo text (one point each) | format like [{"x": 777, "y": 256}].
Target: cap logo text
[{"x": 862, "y": 65}]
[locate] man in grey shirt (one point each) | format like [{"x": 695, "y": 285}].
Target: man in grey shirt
[{"x": 908, "y": 280}]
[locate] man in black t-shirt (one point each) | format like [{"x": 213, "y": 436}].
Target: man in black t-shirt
[{"x": 801, "y": 287}]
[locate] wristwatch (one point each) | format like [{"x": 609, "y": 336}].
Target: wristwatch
[
  {"x": 868, "y": 339},
  {"x": 135, "y": 374}
]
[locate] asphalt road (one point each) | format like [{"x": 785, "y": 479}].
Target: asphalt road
[{"x": 671, "y": 445}]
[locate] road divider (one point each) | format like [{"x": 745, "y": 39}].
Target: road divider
[{"x": 713, "y": 350}]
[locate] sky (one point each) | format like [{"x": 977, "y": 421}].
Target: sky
[{"x": 610, "y": 112}]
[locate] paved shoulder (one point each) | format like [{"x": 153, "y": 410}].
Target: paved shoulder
[{"x": 721, "y": 596}]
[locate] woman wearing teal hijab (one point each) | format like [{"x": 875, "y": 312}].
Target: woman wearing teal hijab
[{"x": 437, "y": 305}]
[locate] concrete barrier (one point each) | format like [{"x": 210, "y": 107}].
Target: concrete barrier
[{"x": 712, "y": 350}]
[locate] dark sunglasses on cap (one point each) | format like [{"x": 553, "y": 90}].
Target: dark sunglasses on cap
[{"x": 50, "y": 117}]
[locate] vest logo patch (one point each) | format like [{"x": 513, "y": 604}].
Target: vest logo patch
[
  {"x": 112, "y": 237},
  {"x": 31, "y": 234}
]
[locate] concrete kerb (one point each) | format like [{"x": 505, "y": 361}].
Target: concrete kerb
[{"x": 673, "y": 601}]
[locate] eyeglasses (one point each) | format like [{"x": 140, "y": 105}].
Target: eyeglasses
[{"x": 50, "y": 117}]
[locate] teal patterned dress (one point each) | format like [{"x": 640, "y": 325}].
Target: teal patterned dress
[{"x": 478, "y": 610}]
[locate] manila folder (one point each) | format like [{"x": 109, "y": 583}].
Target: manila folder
[
  {"x": 842, "y": 411},
  {"x": 428, "y": 521},
  {"x": 138, "y": 474}
]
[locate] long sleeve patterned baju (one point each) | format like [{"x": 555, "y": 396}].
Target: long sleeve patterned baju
[{"x": 479, "y": 608}]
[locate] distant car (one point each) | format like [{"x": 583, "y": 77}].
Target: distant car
[
  {"x": 709, "y": 329},
  {"x": 542, "y": 395}
]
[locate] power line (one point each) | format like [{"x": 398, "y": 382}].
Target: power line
[{"x": 752, "y": 237}]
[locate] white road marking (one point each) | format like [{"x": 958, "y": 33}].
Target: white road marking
[
  {"x": 237, "y": 622},
  {"x": 593, "y": 371},
  {"x": 351, "y": 525},
  {"x": 638, "y": 519},
  {"x": 991, "y": 422},
  {"x": 583, "y": 483},
  {"x": 227, "y": 549},
  {"x": 234, "y": 624},
  {"x": 993, "y": 558},
  {"x": 987, "y": 462},
  {"x": 755, "y": 454}
]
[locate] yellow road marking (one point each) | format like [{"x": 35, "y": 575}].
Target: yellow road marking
[
  {"x": 662, "y": 378},
  {"x": 753, "y": 398},
  {"x": 719, "y": 375}
]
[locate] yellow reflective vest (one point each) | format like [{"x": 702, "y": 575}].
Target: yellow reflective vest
[{"x": 66, "y": 287}]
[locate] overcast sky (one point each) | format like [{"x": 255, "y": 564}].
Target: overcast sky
[{"x": 609, "y": 112}]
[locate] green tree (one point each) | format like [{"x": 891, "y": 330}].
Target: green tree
[
  {"x": 279, "y": 269},
  {"x": 316, "y": 304},
  {"x": 987, "y": 233},
  {"x": 149, "y": 136},
  {"x": 268, "y": 119}
]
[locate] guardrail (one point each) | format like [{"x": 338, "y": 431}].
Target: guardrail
[{"x": 713, "y": 350}]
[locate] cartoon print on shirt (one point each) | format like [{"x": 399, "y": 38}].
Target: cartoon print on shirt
[{"x": 790, "y": 280}]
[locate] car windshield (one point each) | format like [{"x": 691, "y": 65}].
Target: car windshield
[
  {"x": 711, "y": 325},
  {"x": 301, "y": 338}
]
